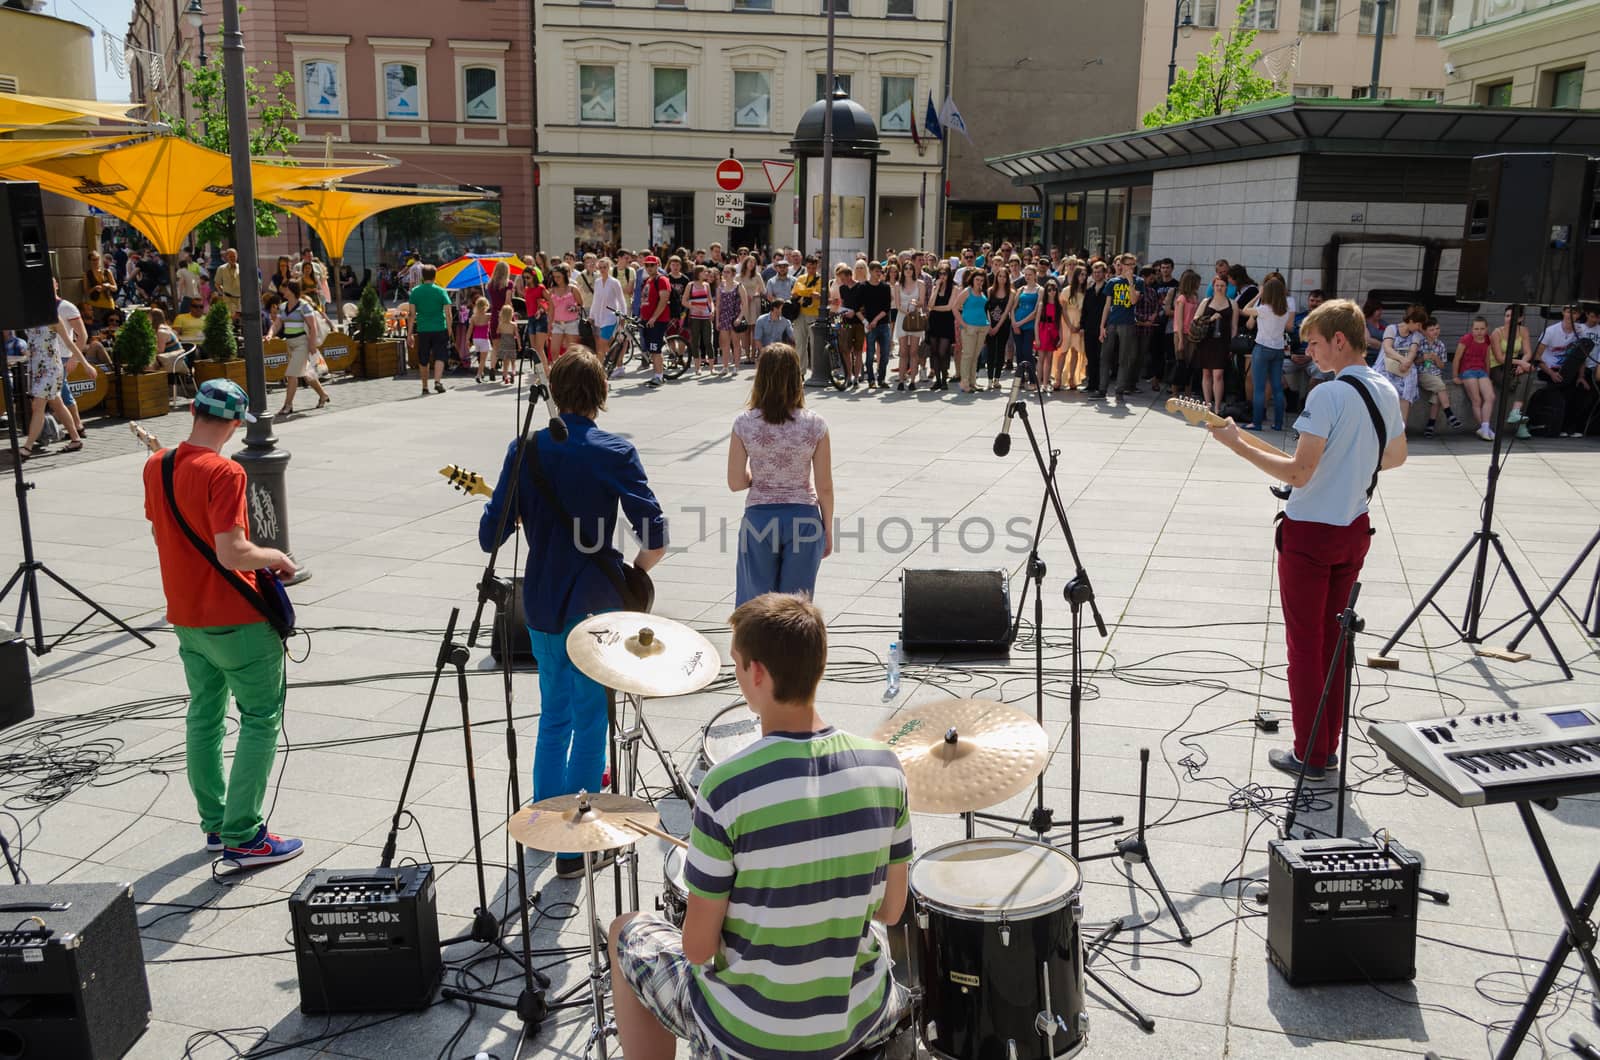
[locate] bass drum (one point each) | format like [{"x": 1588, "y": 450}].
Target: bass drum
[
  {"x": 999, "y": 918},
  {"x": 674, "y": 900}
]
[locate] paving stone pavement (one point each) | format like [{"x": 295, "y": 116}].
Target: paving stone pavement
[{"x": 1174, "y": 531}]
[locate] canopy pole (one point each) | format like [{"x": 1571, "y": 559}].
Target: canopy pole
[{"x": 263, "y": 462}]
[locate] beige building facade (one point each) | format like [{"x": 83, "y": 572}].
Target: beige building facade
[
  {"x": 1314, "y": 48},
  {"x": 1525, "y": 53},
  {"x": 639, "y": 100}
]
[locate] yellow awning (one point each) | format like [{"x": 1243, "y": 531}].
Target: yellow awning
[
  {"x": 164, "y": 187},
  {"x": 43, "y": 110},
  {"x": 24, "y": 152},
  {"x": 336, "y": 212}
]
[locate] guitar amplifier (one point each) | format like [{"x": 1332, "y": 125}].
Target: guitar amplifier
[
  {"x": 72, "y": 980},
  {"x": 366, "y": 940},
  {"x": 16, "y": 682},
  {"x": 1342, "y": 910}
]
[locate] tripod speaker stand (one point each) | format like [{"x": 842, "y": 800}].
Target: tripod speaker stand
[{"x": 1590, "y": 618}]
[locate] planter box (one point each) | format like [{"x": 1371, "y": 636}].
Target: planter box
[
  {"x": 138, "y": 397},
  {"x": 378, "y": 360},
  {"x": 275, "y": 359},
  {"x": 205, "y": 370}
]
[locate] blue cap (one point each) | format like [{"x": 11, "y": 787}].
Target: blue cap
[{"x": 224, "y": 399}]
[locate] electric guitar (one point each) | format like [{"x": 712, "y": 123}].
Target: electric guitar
[
  {"x": 151, "y": 442},
  {"x": 1198, "y": 413},
  {"x": 636, "y": 588}
]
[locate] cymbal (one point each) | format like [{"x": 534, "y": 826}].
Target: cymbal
[
  {"x": 963, "y": 755},
  {"x": 582, "y": 823},
  {"x": 646, "y": 655}
]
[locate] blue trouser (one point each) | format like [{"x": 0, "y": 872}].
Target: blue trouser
[
  {"x": 1022, "y": 346},
  {"x": 780, "y": 549},
  {"x": 1266, "y": 365},
  {"x": 570, "y": 753},
  {"x": 879, "y": 337}
]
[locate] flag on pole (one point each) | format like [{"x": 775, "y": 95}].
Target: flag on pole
[
  {"x": 931, "y": 123},
  {"x": 916, "y": 141},
  {"x": 951, "y": 118}
]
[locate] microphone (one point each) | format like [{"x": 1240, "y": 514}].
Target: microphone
[
  {"x": 541, "y": 383},
  {"x": 1002, "y": 441}
]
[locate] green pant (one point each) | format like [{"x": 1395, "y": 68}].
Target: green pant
[{"x": 246, "y": 661}]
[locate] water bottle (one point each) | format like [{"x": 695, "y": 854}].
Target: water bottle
[{"x": 892, "y": 678}]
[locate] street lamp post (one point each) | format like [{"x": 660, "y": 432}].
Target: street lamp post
[
  {"x": 263, "y": 462},
  {"x": 1182, "y": 18},
  {"x": 195, "y": 15}
]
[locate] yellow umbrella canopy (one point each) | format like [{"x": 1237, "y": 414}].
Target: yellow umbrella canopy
[
  {"x": 24, "y": 152},
  {"x": 164, "y": 187},
  {"x": 336, "y": 212},
  {"x": 44, "y": 110}
]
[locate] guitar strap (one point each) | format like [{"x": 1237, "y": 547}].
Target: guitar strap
[{"x": 1377, "y": 425}]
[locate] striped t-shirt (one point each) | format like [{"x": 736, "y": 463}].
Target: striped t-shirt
[{"x": 797, "y": 831}]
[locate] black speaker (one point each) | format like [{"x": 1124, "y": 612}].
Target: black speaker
[
  {"x": 27, "y": 298},
  {"x": 521, "y": 647},
  {"x": 1527, "y": 228},
  {"x": 1589, "y": 282},
  {"x": 955, "y": 610},
  {"x": 16, "y": 682},
  {"x": 72, "y": 980}
]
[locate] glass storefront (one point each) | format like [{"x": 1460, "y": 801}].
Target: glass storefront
[
  {"x": 597, "y": 219},
  {"x": 672, "y": 219},
  {"x": 437, "y": 231}
]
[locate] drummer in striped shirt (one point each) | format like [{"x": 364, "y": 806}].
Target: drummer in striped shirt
[{"x": 797, "y": 859}]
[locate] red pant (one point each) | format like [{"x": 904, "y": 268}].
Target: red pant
[{"x": 1317, "y": 565}]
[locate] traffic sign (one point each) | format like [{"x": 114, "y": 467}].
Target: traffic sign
[
  {"x": 778, "y": 173},
  {"x": 730, "y": 218},
  {"x": 730, "y": 200},
  {"x": 730, "y": 174}
]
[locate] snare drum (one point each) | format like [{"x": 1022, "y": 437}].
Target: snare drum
[
  {"x": 998, "y": 918},
  {"x": 730, "y": 731},
  {"x": 674, "y": 900}
]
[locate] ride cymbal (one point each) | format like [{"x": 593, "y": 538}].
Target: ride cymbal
[
  {"x": 646, "y": 655},
  {"x": 582, "y": 823},
  {"x": 964, "y": 755}
]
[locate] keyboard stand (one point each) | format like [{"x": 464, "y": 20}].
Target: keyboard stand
[{"x": 1579, "y": 935}]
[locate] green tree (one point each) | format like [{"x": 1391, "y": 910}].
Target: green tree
[
  {"x": 1224, "y": 78},
  {"x": 369, "y": 324},
  {"x": 272, "y": 132},
  {"x": 218, "y": 343},
  {"x": 135, "y": 345}
]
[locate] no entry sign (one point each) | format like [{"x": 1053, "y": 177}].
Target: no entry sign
[{"x": 730, "y": 174}]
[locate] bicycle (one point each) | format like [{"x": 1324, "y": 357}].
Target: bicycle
[
  {"x": 836, "y": 373},
  {"x": 628, "y": 341}
]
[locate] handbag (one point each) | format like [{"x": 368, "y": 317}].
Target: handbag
[
  {"x": 916, "y": 320},
  {"x": 268, "y": 597},
  {"x": 1200, "y": 326},
  {"x": 633, "y": 585},
  {"x": 1242, "y": 345}
]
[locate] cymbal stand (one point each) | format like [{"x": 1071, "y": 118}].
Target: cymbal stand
[
  {"x": 598, "y": 972},
  {"x": 1133, "y": 850},
  {"x": 629, "y": 738},
  {"x": 1590, "y": 619}
]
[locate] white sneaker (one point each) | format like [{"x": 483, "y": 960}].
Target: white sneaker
[
  {"x": 617, "y": 372},
  {"x": 1485, "y": 433}
]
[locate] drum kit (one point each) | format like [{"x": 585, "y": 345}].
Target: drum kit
[{"x": 990, "y": 949}]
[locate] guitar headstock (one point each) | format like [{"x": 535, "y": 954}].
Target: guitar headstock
[
  {"x": 1198, "y": 413},
  {"x": 468, "y": 482},
  {"x": 151, "y": 442}
]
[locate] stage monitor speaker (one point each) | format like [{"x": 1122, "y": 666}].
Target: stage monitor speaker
[
  {"x": 955, "y": 610},
  {"x": 16, "y": 682},
  {"x": 74, "y": 987},
  {"x": 1527, "y": 226},
  {"x": 27, "y": 298},
  {"x": 521, "y": 646}
]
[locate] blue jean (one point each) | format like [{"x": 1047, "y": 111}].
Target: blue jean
[
  {"x": 569, "y": 754},
  {"x": 1022, "y": 345},
  {"x": 879, "y": 337},
  {"x": 780, "y": 549},
  {"x": 1266, "y": 365}
]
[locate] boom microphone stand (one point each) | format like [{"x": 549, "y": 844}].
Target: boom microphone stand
[
  {"x": 1483, "y": 539},
  {"x": 1590, "y": 619}
]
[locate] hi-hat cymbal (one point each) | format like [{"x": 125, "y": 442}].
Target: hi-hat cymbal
[
  {"x": 964, "y": 755},
  {"x": 646, "y": 655},
  {"x": 581, "y": 824}
]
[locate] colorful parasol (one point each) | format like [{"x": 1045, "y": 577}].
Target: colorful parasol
[{"x": 474, "y": 270}]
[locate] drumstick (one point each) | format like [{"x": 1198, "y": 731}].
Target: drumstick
[{"x": 658, "y": 833}]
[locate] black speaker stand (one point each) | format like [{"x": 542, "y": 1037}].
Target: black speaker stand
[
  {"x": 1483, "y": 539},
  {"x": 26, "y": 576},
  {"x": 1590, "y": 619}
]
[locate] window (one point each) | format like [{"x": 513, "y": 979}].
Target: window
[
  {"x": 1566, "y": 88},
  {"x": 822, "y": 83},
  {"x": 671, "y": 218},
  {"x": 671, "y": 96},
  {"x": 480, "y": 88},
  {"x": 894, "y": 115},
  {"x": 752, "y": 99},
  {"x": 402, "y": 97},
  {"x": 1369, "y": 16},
  {"x": 1263, "y": 14},
  {"x": 1204, "y": 13},
  {"x": 752, "y": 5},
  {"x": 597, "y": 93},
  {"x": 1319, "y": 16},
  {"x": 320, "y": 81},
  {"x": 840, "y": 7},
  {"x": 1496, "y": 95},
  {"x": 597, "y": 217},
  {"x": 1365, "y": 92},
  {"x": 1433, "y": 17},
  {"x": 902, "y": 8},
  {"x": 1431, "y": 95},
  {"x": 1314, "y": 91}
]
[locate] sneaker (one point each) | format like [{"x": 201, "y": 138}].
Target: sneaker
[
  {"x": 571, "y": 867},
  {"x": 213, "y": 842},
  {"x": 1514, "y": 416},
  {"x": 1455, "y": 422},
  {"x": 654, "y": 380},
  {"x": 1427, "y": 432},
  {"x": 1288, "y": 762},
  {"x": 1523, "y": 432},
  {"x": 264, "y": 849},
  {"x": 619, "y": 371},
  {"x": 438, "y": 387},
  {"x": 901, "y": 385},
  {"x": 1484, "y": 432}
]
